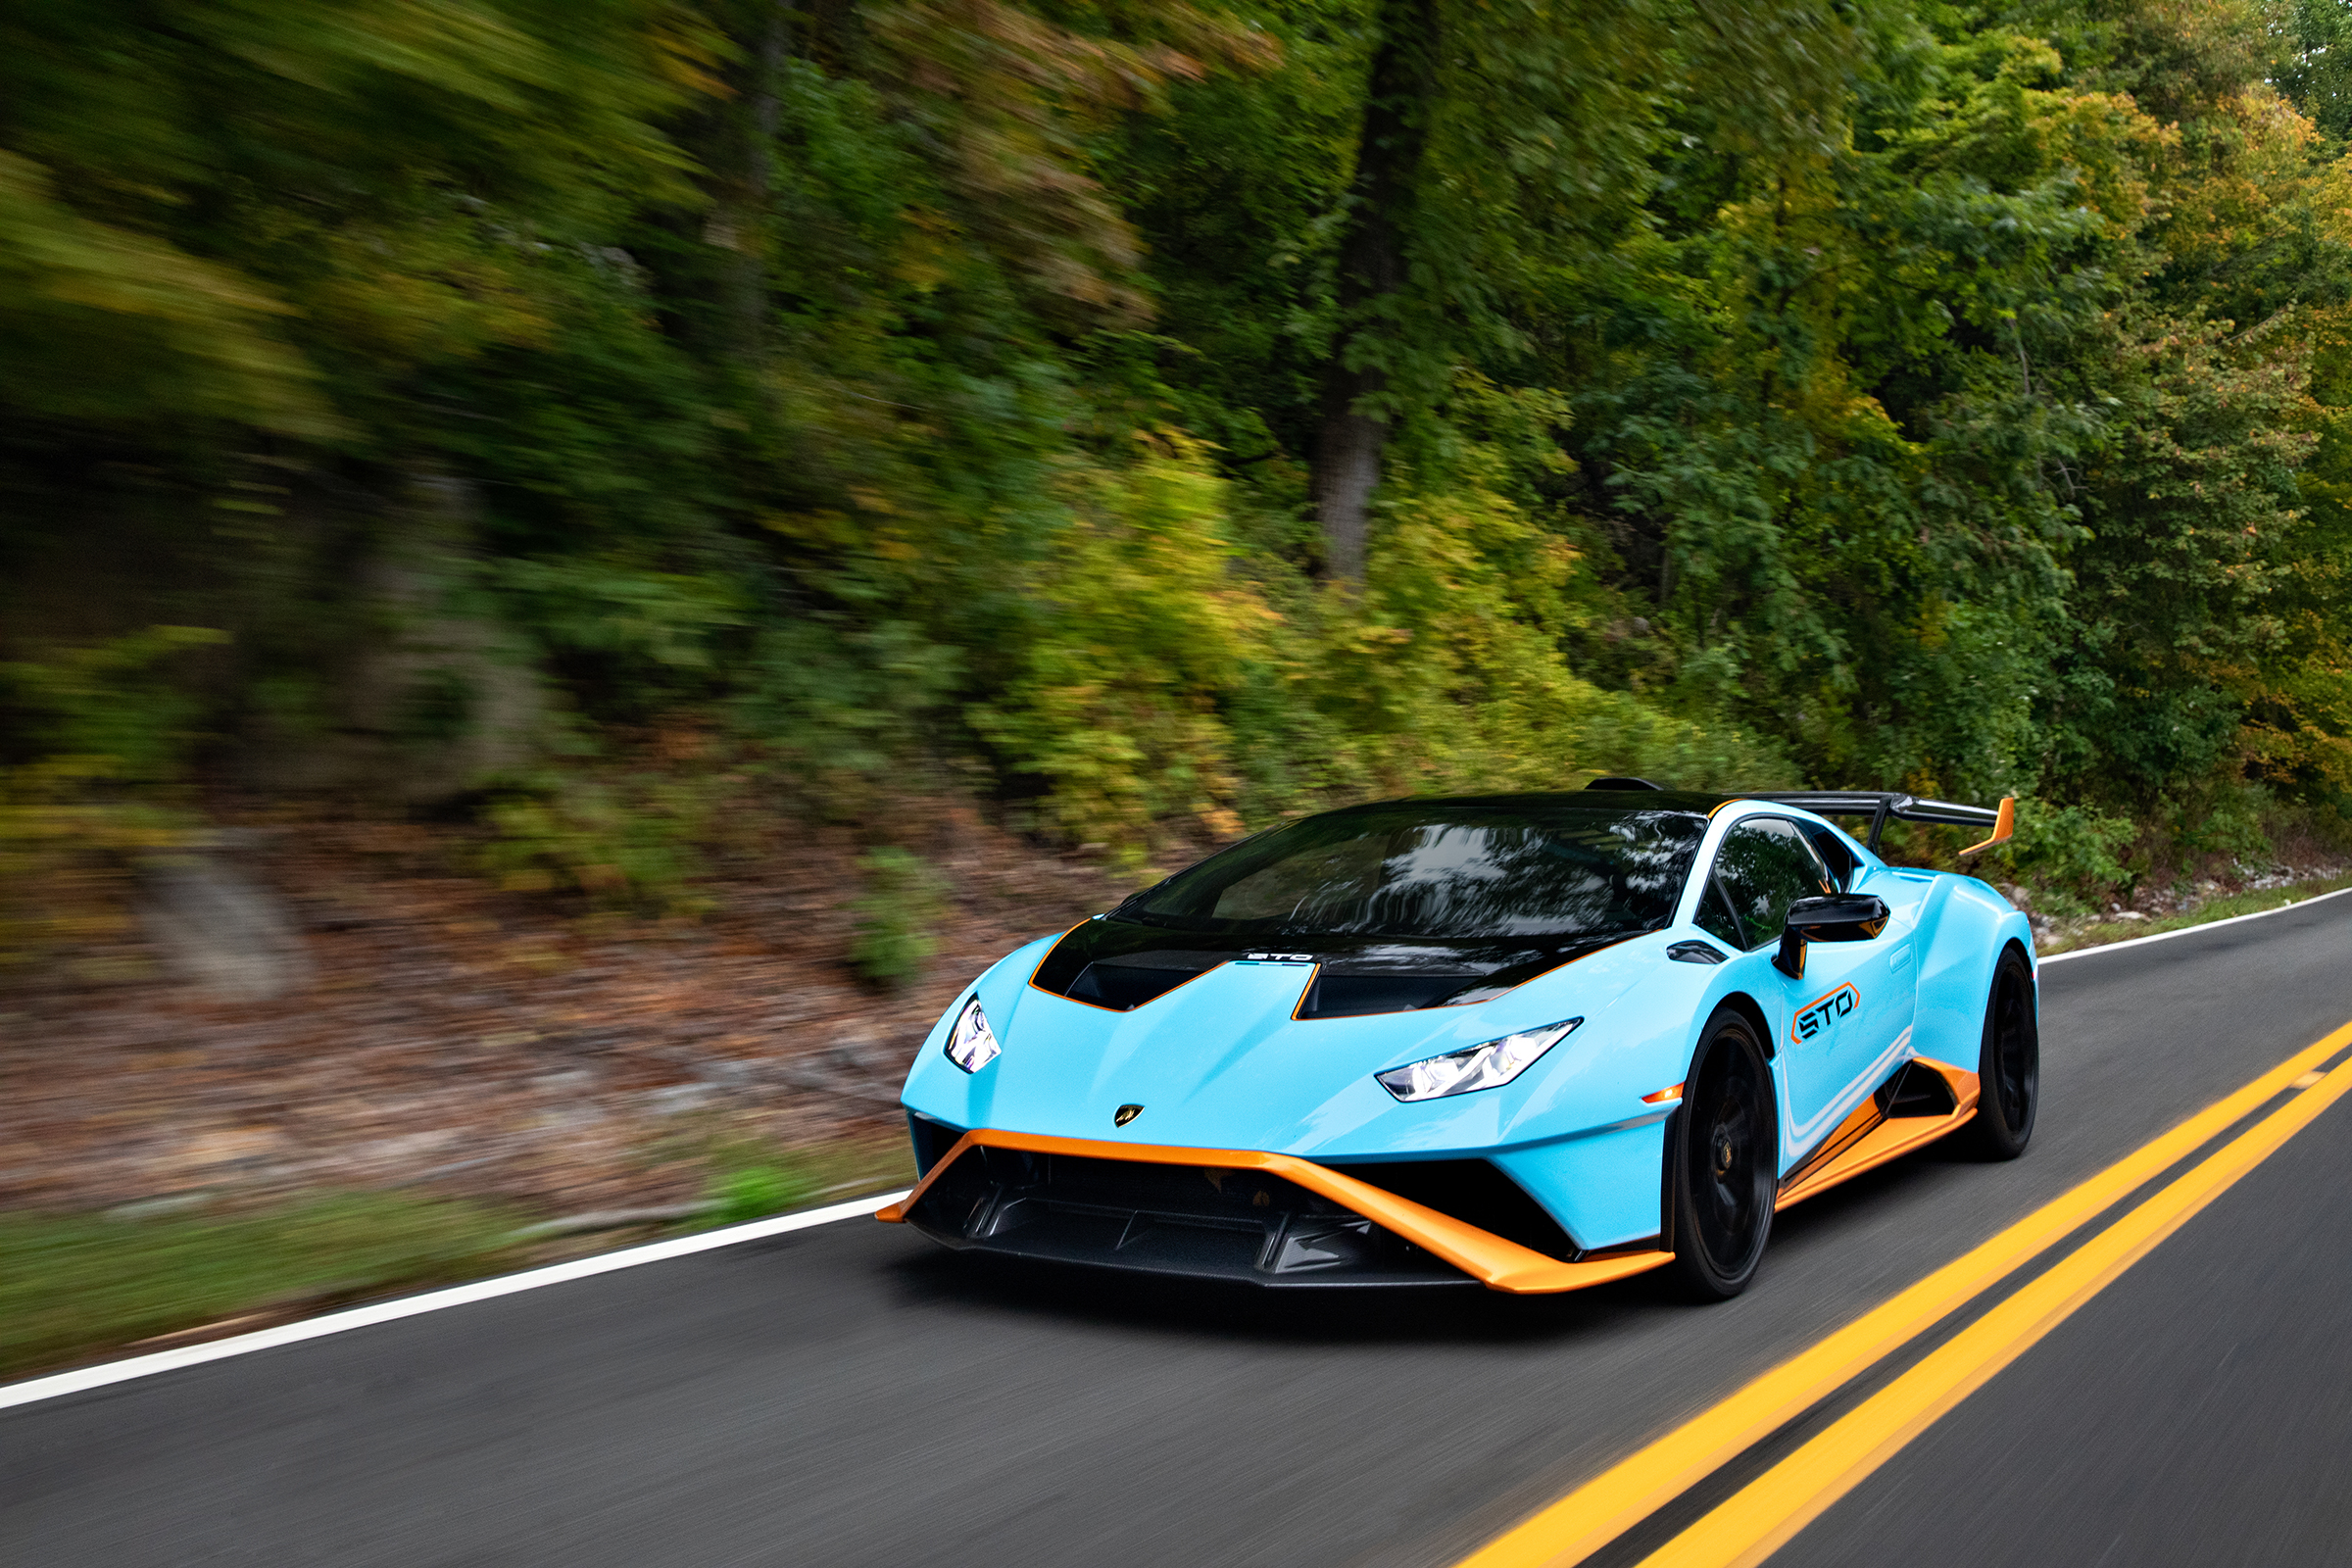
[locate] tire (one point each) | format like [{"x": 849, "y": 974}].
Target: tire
[
  {"x": 2008, "y": 1062},
  {"x": 1726, "y": 1166}
]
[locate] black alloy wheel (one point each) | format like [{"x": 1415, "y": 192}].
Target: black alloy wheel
[
  {"x": 1726, "y": 1151},
  {"x": 2009, "y": 1062}
]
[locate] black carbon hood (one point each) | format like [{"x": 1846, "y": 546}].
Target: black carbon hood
[{"x": 1121, "y": 964}]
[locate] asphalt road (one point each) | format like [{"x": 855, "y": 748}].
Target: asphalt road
[{"x": 850, "y": 1395}]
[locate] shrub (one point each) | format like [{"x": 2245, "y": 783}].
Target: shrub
[
  {"x": 2069, "y": 855},
  {"x": 98, "y": 738},
  {"x": 625, "y": 839},
  {"x": 1116, "y": 704},
  {"x": 903, "y": 901}
]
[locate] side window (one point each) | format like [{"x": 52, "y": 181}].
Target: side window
[
  {"x": 1763, "y": 867},
  {"x": 1715, "y": 916},
  {"x": 1834, "y": 853}
]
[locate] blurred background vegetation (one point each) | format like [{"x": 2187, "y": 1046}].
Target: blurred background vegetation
[{"x": 575, "y": 421}]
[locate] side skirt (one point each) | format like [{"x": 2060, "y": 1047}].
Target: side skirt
[{"x": 1924, "y": 1100}]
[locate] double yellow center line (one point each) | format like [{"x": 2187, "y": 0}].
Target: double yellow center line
[{"x": 1754, "y": 1522}]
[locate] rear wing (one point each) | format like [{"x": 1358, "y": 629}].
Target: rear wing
[{"x": 1881, "y": 806}]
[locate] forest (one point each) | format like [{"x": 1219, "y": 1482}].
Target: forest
[{"x": 593, "y": 425}]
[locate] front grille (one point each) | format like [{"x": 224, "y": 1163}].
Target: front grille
[{"x": 1181, "y": 1219}]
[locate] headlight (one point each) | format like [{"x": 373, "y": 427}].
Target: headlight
[
  {"x": 973, "y": 1043},
  {"x": 1487, "y": 1067}
]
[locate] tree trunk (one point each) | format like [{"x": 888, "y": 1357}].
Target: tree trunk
[
  {"x": 744, "y": 297},
  {"x": 1347, "y": 470},
  {"x": 1371, "y": 267}
]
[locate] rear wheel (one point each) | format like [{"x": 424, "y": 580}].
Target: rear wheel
[
  {"x": 2008, "y": 1062},
  {"x": 1726, "y": 1162}
]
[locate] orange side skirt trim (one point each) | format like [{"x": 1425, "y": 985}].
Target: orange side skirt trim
[
  {"x": 1874, "y": 1140},
  {"x": 1498, "y": 1264}
]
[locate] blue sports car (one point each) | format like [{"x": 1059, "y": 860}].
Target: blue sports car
[{"x": 1534, "y": 1041}]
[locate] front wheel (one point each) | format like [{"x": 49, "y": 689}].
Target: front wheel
[
  {"x": 1726, "y": 1162},
  {"x": 2008, "y": 1063}
]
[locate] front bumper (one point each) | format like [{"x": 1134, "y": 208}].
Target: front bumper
[{"x": 1239, "y": 1214}]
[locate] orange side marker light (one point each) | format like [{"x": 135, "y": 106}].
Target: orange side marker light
[{"x": 1670, "y": 1091}]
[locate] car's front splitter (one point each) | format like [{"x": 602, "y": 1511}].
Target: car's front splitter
[{"x": 1301, "y": 1223}]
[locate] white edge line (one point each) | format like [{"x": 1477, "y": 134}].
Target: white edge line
[
  {"x": 59, "y": 1383},
  {"x": 2190, "y": 930}
]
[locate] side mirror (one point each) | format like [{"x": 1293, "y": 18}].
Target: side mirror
[{"x": 1842, "y": 918}]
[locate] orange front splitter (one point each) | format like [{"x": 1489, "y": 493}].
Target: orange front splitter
[{"x": 1498, "y": 1264}]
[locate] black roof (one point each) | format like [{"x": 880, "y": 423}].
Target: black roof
[
  {"x": 1880, "y": 805},
  {"x": 1694, "y": 801}
]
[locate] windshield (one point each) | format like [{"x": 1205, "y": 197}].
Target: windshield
[{"x": 1424, "y": 868}]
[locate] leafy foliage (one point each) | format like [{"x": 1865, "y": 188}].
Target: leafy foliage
[
  {"x": 97, "y": 736},
  {"x": 2075, "y": 855},
  {"x": 1945, "y": 397},
  {"x": 896, "y": 916}
]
